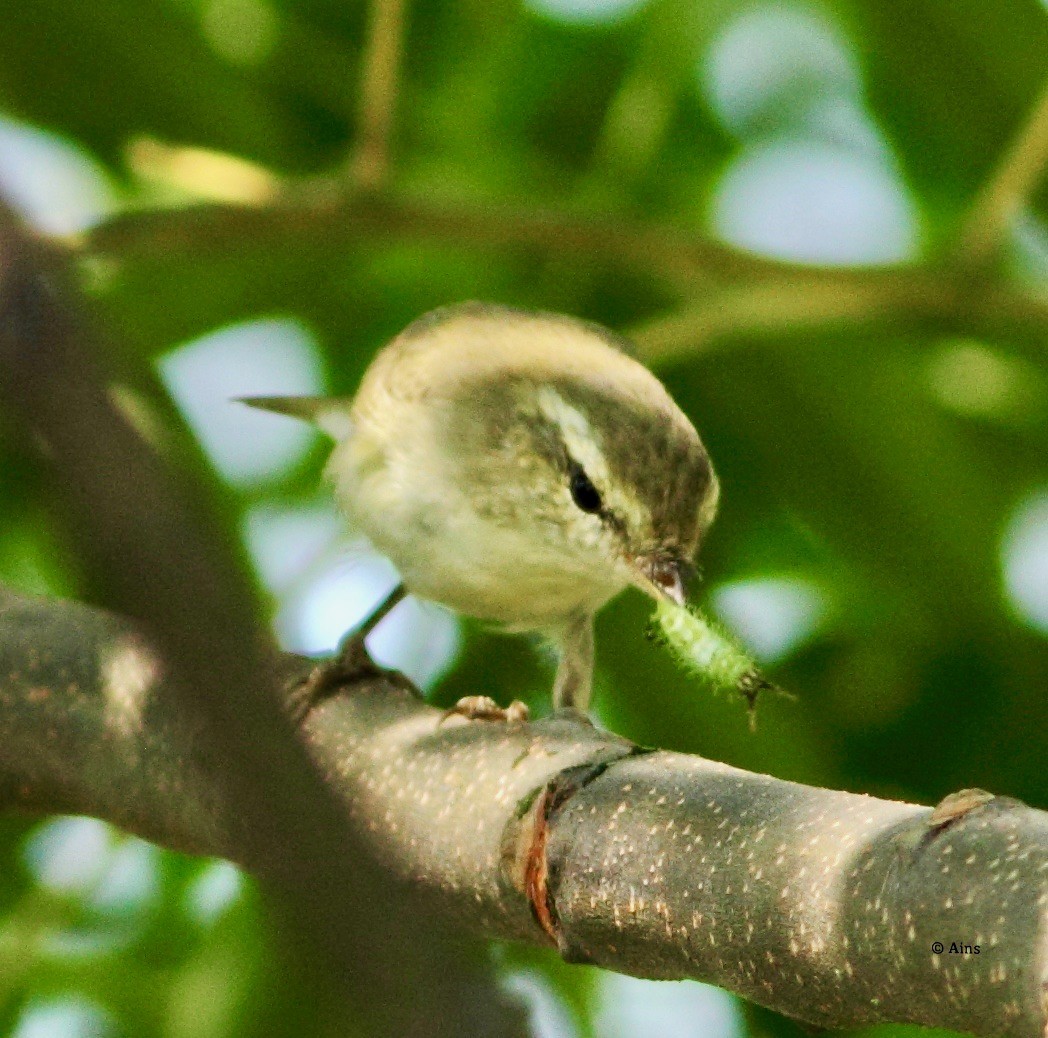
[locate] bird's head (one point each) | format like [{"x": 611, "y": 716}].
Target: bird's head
[
  {"x": 584, "y": 475},
  {"x": 575, "y": 441}
]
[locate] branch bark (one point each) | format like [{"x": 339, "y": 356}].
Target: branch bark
[{"x": 823, "y": 905}]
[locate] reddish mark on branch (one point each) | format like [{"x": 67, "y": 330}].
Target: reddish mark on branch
[
  {"x": 37, "y": 694},
  {"x": 534, "y": 875},
  {"x": 535, "y": 870}
]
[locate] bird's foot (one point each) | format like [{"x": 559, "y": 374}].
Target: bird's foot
[
  {"x": 483, "y": 708},
  {"x": 350, "y": 664}
]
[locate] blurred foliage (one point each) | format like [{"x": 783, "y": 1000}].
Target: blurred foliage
[{"x": 877, "y": 470}]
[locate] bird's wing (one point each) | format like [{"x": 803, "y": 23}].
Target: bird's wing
[{"x": 331, "y": 414}]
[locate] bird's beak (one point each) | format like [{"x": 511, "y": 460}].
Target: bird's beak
[{"x": 662, "y": 577}]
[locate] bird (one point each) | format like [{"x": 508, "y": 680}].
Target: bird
[{"x": 520, "y": 467}]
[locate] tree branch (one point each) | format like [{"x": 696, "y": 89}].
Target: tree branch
[
  {"x": 825, "y": 906},
  {"x": 1001, "y": 198},
  {"x": 729, "y": 291},
  {"x": 325, "y": 212},
  {"x": 378, "y": 92},
  {"x": 884, "y": 300}
]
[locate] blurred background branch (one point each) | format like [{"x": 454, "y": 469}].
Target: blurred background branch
[
  {"x": 760, "y": 296},
  {"x": 1002, "y": 197},
  {"x": 322, "y": 209},
  {"x": 378, "y": 92}
]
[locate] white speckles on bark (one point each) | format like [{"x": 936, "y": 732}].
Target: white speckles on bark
[{"x": 820, "y": 904}]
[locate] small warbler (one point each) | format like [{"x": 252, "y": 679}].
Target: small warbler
[{"x": 521, "y": 468}]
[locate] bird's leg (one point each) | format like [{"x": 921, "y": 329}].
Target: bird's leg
[
  {"x": 571, "y": 689},
  {"x": 350, "y": 663},
  {"x": 574, "y": 681}
]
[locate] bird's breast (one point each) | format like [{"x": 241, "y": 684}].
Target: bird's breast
[{"x": 398, "y": 493}]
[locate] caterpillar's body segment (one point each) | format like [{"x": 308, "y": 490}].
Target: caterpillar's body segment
[{"x": 706, "y": 651}]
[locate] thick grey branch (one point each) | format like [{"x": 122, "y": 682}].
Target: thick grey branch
[{"x": 823, "y": 905}]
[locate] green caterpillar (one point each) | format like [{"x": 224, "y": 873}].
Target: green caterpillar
[{"x": 705, "y": 650}]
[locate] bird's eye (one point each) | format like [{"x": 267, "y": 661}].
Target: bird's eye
[{"x": 583, "y": 492}]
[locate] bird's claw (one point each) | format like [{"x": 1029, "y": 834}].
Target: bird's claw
[
  {"x": 484, "y": 708},
  {"x": 350, "y": 664}
]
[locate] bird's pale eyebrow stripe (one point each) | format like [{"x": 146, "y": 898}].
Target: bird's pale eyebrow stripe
[{"x": 578, "y": 435}]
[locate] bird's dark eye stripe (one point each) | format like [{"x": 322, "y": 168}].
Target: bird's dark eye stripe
[{"x": 583, "y": 492}]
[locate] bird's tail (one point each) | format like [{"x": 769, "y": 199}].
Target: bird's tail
[{"x": 331, "y": 414}]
